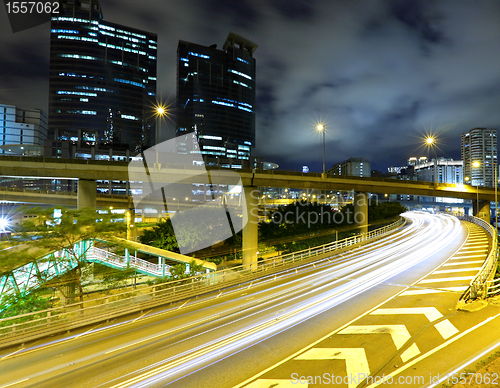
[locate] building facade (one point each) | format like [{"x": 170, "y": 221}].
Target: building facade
[
  {"x": 449, "y": 171},
  {"x": 102, "y": 84},
  {"x": 479, "y": 145},
  {"x": 351, "y": 167},
  {"x": 22, "y": 131},
  {"x": 216, "y": 101}
]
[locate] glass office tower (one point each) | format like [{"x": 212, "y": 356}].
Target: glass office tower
[
  {"x": 216, "y": 100},
  {"x": 102, "y": 80}
]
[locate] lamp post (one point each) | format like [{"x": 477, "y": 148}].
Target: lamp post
[
  {"x": 431, "y": 142},
  {"x": 476, "y": 165},
  {"x": 321, "y": 128},
  {"x": 160, "y": 111}
]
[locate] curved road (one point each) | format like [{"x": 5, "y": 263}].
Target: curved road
[{"x": 223, "y": 339}]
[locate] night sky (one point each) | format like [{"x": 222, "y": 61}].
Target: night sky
[{"x": 379, "y": 73}]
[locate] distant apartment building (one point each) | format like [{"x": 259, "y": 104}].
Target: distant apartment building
[
  {"x": 414, "y": 160},
  {"x": 449, "y": 171},
  {"x": 479, "y": 145},
  {"x": 22, "y": 131},
  {"x": 351, "y": 167}
]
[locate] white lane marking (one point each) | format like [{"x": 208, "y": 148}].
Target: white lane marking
[
  {"x": 433, "y": 290},
  {"x": 482, "y": 256},
  {"x": 11, "y": 354},
  {"x": 446, "y": 329},
  {"x": 11, "y": 384},
  {"x": 466, "y": 251},
  {"x": 419, "y": 292},
  {"x": 464, "y": 263},
  {"x": 438, "y": 280},
  {"x": 411, "y": 352},
  {"x": 140, "y": 316},
  {"x": 399, "y": 333},
  {"x": 355, "y": 359},
  {"x": 431, "y": 313},
  {"x": 456, "y": 270},
  {"x": 278, "y": 383},
  {"x": 182, "y": 305}
]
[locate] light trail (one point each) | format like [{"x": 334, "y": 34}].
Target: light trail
[
  {"x": 205, "y": 330},
  {"x": 361, "y": 274}
]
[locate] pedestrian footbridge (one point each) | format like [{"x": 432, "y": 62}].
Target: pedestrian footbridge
[{"x": 30, "y": 276}]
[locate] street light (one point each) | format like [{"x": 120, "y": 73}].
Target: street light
[
  {"x": 431, "y": 142},
  {"x": 476, "y": 165},
  {"x": 160, "y": 111},
  {"x": 321, "y": 128}
]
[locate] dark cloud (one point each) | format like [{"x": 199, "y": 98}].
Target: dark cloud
[
  {"x": 412, "y": 13},
  {"x": 295, "y": 9}
]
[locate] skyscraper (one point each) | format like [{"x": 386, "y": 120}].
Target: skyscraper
[
  {"x": 102, "y": 80},
  {"x": 216, "y": 100},
  {"x": 22, "y": 131},
  {"x": 479, "y": 145}
]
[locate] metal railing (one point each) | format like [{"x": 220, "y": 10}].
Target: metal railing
[
  {"x": 479, "y": 286},
  {"x": 98, "y": 254},
  {"x": 30, "y": 326}
]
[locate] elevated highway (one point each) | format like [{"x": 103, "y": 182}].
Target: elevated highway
[{"x": 91, "y": 170}]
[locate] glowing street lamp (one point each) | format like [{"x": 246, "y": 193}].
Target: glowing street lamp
[
  {"x": 476, "y": 165},
  {"x": 431, "y": 142},
  {"x": 321, "y": 128},
  {"x": 160, "y": 111},
  {"x": 3, "y": 224}
]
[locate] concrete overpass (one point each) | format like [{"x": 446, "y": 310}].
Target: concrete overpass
[
  {"x": 88, "y": 171},
  {"x": 92, "y": 170}
]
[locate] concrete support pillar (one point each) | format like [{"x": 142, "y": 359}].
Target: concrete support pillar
[
  {"x": 482, "y": 211},
  {"x": 361, "y": 211},
  {"x": 250, "y": 230},
  {"x": 86, "y": 195}
]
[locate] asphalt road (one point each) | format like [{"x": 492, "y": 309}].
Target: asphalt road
[{"x": 233, "y": 337}]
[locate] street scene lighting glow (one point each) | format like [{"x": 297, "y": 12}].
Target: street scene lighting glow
[
  {"x": 320, "y": 127},
  {"x": 475, "y": 164},
  {"x": 3, "y": 224},
  {"x": 160, "y": 110},
  {"x": 430, "y": 140}
]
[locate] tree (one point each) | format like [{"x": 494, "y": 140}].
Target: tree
[
  {"x": 195, "y": 230},
  {"x": 303, "y": 224},
  {"x": 178, "y": 271},
  {"x": 161, "y": 236},
  {"x": 42, "y": 237}
]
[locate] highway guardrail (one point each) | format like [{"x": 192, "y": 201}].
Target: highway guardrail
[{"x": 478, "y": 287}]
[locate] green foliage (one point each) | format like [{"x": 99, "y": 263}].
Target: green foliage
[
  {"x": 385, "y": 210},
  {"x": 46, "y": 233},
  {"x": 117, "y": 278},
  {"x": 178, "y": 271},
  {"x": 161, "y": 236},
  {"x": 294, "y": 227},
  {"x": 195, "y": 232},
  {"x": 19, "y": 304}
]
